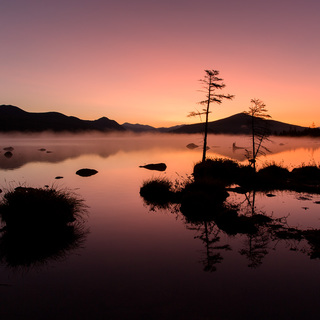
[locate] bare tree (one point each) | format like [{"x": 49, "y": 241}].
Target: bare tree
[
  {"x": 259, "y": 129},
  {"x": 211, "y": 82}
]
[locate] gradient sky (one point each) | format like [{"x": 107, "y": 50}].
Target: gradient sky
[{"x": 140, "y": 61}]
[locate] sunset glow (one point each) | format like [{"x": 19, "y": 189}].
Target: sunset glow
[{"x": 140, "y": 61}]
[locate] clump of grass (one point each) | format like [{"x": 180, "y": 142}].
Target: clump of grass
[
  {"x": 41, "y": 224},
  {"x": 306, "y": 174},
  {"x": 34, "y": 208},
  {"x": 225, "y": 171},
  {"x": 218, "y": 169},
  {"x": 157, "y": 191},
  {"x": 272, "y": 176}
]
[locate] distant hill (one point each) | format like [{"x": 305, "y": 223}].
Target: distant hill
[
  {"x": 170, "y": 129},
  {"x": 138, "y": 127},
  {"x": 237, "y": 124},
  {"x": 15, "y": 119},
  {"x": 145, "y": 128}
]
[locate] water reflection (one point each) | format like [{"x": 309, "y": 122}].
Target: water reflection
[
  {"x": 39, "y": 225},
  {"x": 57, "y": 148},
  {"x": 24, "y": 250},
  {"x": 258, "y": 231}
]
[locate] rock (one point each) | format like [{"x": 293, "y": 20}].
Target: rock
[
  {"x": 8, "y": 154},
  {"x": 42, "y": 149},
  {"x": 270, "y": 195},
  {"x": 86, "y": 172},
  {"x": 58, "y": 177},
  {"x": 155, "y": 166},
  {"x": 8, "y": 148},
  {"x": 192, "y": 146}
]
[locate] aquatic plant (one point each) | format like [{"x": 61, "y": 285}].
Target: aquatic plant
[
  {"x": 224, "y": 170},
  {"x": 306, "y": 173},
  {"x": 34, "y": 208},
  {"x": 273, "y": 176},
  {"x": 157, "y": 191}
]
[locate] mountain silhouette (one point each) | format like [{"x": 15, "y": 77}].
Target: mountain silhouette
[
  {"x": 137, "y": 127},
  {"x": 15, "y": 119},
  {"x": 237, "y": 124}
]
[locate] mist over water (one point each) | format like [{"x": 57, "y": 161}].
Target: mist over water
[
  {"x": 135, "y": 262},
  {"x": 51, "y": 147}
]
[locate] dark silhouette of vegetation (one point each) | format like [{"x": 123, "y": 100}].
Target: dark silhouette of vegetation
[
  {"x": 158, "y": 192},
  {"x": 259, "y": 130},
  {"x": 311, "y": 132},
  {"x": 225, "y": 171},
  {"x": 211, "y": 82},
  {"x": 35, "y": 208},
  {"x": 203, "y": 203},
  {"x": 270, "y": 177},
  {"x": 40, "y": 224}
]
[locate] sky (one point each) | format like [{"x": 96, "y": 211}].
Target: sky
[{"x": 141, "y": 61}]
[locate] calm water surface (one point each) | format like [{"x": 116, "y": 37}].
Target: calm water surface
[{"x": 137, "y": 263}]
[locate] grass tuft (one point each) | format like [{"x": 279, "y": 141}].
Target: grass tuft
[{"x": 34, "y": 208}]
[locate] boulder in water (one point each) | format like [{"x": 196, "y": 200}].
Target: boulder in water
[
  {"x": 155, "y": 166},
  {"x": 86, "y": 172}
]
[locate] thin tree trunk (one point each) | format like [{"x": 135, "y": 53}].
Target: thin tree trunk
[
  {"x": 206, "y": 124},
  {"x": 205, "y": 135},
  {"x": 253, "y": 145}
]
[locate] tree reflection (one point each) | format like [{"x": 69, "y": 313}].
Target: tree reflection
[
  {"x": 208, "y": 233},
  {"x": 256, "y": 244},
  {"x": 210, "y": 213}
]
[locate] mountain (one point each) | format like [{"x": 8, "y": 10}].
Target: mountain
[
  {"x": 145, "y": 128},
  {"x": 237, "y": 124},
  {"x": 170, "y": 129},
  {"x": 15, "y": 119},
  {"x": 138, "y": 127}
]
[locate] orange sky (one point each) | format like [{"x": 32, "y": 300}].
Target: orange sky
[{"x": 140, "y": 61}]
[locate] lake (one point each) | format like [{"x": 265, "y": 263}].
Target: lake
[{"x": 135, "y": 261}]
